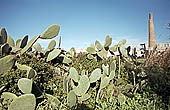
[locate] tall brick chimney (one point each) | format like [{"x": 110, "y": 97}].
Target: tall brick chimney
[{"x": 151, "y": 33}]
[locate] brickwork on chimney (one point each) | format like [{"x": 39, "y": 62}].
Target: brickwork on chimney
[{"x": 151, "y": 32}]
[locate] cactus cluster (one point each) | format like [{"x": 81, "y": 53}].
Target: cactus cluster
[{"x": 80, "y": 91}]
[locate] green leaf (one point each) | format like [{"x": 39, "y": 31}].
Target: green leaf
[
  {"x": 52, "y": 45},
  {"x": 108, "y": 41},
  {"x": 29, "y": 45},
  {"x": 104, "y": 82},
  {"x": 98, "y": 45},
  {"x": 23, "y": 102},
  {"x": 71, "y": 98},
  {"x": 6, "y": 63},
  {"x": 51, "y": 32},
  {"x": 53, "y": 54},
  {"x": 10, "y": 41},
  {"x": 74, "y": 74},
  {"x": 95, "y": 75},
  {"x": 25, "y": 85},
  {"x": 91, "y": 50}
]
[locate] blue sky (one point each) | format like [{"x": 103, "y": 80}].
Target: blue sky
[{"x": 84, "y": 21}]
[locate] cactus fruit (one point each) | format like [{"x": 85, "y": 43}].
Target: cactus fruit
[
  {"x": 23, "y": 102},
  {"x": 71, "y": 98},
  {"x": 73, "y": 74},
  {"x": 98, "y": 45},
  {"x": 10, "y": 41},
  {"x": 30, "y": 43},
  {"x": 3, "y": 36},
  {"x": 51, "y": 45},
  {"x": 53, "y": 54},
  {"x": 95, "y": 75},
  {"x": 51, "y": 32},
  {"x": 23, "y": 42},
  {"x": 108, "y": 41},
  {"x": 25, "y": 85},
  {"x": 6, "y": 63}
]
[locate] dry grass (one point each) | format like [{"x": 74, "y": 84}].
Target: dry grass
[{"x": 161, "y": 59}]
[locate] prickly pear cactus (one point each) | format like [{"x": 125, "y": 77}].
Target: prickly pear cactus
[
  {"x": 29, "y": 45},
  {"x": 51, "y": 32},
  {"x": 37, "y": 47},
  {"x": 71, "y": 98},
  {"x": 53, "y": 54},
  {"x": 51, "y": 45},
  {"x": 95, "y": 75},
  {"x": 108, "y": 41},
  {"x": 23, "y": 42},
  {"x": 10, "y": 41},
  {"x": 23, "y": 102},
  {"x": 6, "y": 63},
  {"x": 98, "y": 45},
  {"x": 3, "y": 36},
  {"x": 25, "y": 85},
  {"x": 74, "y": 74}
]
